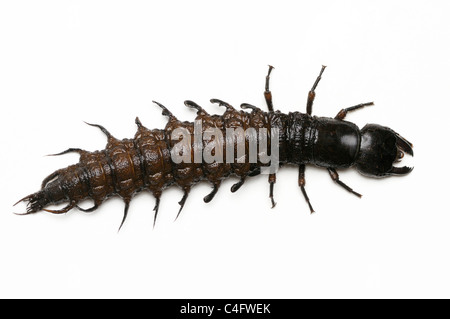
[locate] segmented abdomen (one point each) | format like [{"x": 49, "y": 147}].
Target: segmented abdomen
[{"x": 128, "y": 166}]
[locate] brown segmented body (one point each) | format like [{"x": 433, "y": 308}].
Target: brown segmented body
[{"x": 126, "y": 167}]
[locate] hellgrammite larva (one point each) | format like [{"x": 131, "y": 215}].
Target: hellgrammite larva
[{"x": 128, "y": 166}]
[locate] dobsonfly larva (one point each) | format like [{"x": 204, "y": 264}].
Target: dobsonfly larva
[{"x": 146, "y": 162}]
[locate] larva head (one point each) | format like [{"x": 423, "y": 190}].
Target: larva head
[{"x": 380, "y": 148}]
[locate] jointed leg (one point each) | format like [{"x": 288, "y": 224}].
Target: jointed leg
[
  {"x": 335, "y": 176},
  {"x": 267, "y": 93},
  {"x": 272, "y": 181},
  {"x": 301, "y": 183},
  {"x": 268, "y": 97},
  {"x": 342, "y": 113},
  {"x": 312, "y": 93},
  {"x": 238, "y": 185}
]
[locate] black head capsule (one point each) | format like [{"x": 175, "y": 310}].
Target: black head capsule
[{"x": 380, "y": 148}]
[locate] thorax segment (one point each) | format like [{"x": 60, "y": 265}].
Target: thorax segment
[{"x": 322, "y": 141}]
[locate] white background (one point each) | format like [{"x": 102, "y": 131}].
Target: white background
[{"x": 65, "y": 62}]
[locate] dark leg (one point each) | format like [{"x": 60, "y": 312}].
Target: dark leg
[
  {"x": 255, "y": 172},
  {"x": 272, "y": 181},
  {"x": 267, "y": 93},
  {"x": 312, "y": 93},
  {"x": 238, "y": 185},
  {"x": 268, "y": 97},
  {"x": 301, "y": 183},
  {"x": 342, "y": 113},
  {"x": 335, "y": 176}
]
